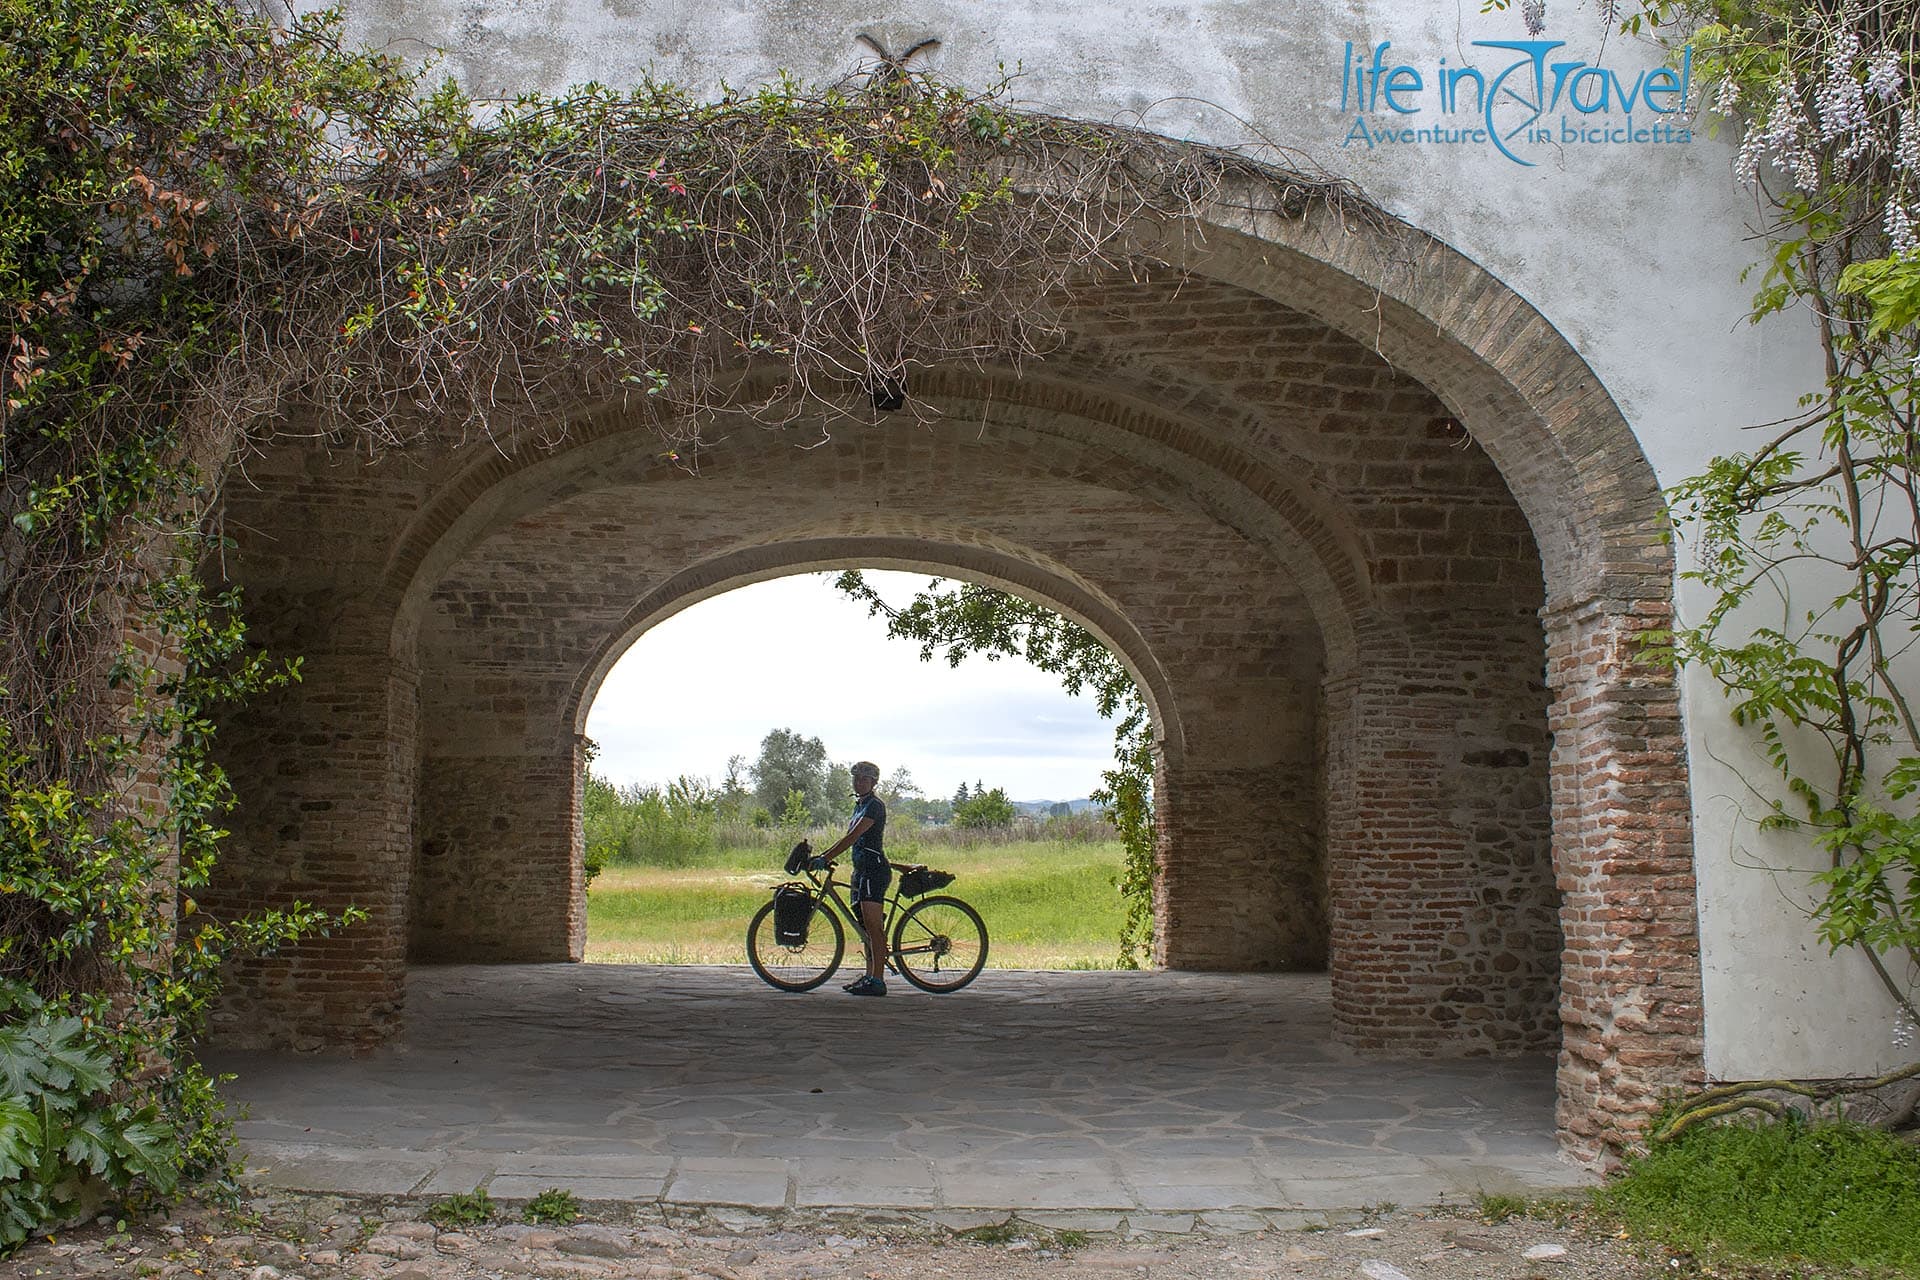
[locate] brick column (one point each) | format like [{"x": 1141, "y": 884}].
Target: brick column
[
  {"x": 1242, "y": 875},
  {"x": 499, "y": 877},
  {"x": 325, "y": 816},
  {"x": 1623, "y": 851},
  {"x": 1443, "y": 937}
]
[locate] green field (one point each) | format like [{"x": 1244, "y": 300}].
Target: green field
[{"x": 1048, "y": 905}]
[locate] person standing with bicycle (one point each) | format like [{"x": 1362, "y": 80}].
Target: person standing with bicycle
[{"x": 872, "y": 873}]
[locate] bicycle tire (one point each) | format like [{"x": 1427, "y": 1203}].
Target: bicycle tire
[
  {"x": 940, "y": 944},
  {"x": 798, "y": 968}
]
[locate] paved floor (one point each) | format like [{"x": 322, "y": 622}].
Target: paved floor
[{"x": 1147, "y": 1093}]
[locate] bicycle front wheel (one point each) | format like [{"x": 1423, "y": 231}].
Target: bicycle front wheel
[
  {"x": 796, "y": 968},
  {"x": 940, "y": 944}
]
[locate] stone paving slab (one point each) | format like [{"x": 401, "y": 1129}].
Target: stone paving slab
[{"x": 1155, "y": 1095}]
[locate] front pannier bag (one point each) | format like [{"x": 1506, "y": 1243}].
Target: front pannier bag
[{"x": 792, "y": 913}]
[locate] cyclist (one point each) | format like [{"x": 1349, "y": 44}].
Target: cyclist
[{"x": 872, "y": 873}]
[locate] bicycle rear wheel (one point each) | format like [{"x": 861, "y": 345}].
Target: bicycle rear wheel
[
  {"x": 800, "y": 968},
  {"x": 940, "y": 944}
]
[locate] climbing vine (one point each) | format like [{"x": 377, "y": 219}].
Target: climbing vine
[
  {"x": 958, "y": 620},
  {"x": 1810, "y": 543},
  {"x": 217, "y": 228}
]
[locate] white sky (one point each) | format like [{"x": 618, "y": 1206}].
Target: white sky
[{"x": 714, "y": 679}]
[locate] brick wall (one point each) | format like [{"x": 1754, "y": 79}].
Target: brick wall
[{"x": 1325, "y": 581}]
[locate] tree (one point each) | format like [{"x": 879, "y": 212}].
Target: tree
[
  {"x": 987, "y": 809},
  {"x": 790, "y": 762},
  {"x": 961, "y": 795},
  {"x": 1059, "y": 809},
  {"x": 839, "y": 790},
  {"x": 733, "y": 799},
  {"x": 795, "y": 815}
]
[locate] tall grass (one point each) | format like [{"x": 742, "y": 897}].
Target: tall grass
[{"x": 1047, "y": 903}]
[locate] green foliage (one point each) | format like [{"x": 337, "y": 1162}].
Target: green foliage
[
  {"x": 462, "y": 1209},
  {"x": 1826, "y": 1193},
  {"x": 1891, "y": 288},
  {"x": 671, "y": 826},
  {"x": 992, "y": 1233},
  {"x": 107, "y": 967},
  {"x": 797, "y": 814},
  {"x": 555, "y": 1205},
  {"x": 964, "y": 619},
  {"x": 1809, "y": 544},
  {"x": 986, "y": 810},
  {"x": 66, "y": 1142}
]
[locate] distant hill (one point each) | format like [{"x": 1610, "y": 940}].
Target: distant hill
[{"x": 1040, "y": 808}]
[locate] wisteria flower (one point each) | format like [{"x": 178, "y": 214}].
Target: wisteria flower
[{"x": 1883, "y": 75}]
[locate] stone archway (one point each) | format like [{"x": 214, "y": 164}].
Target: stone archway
[{"x": 1331, "y": 447}]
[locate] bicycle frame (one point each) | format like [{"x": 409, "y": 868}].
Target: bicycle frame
[{"x": 827, "y": 889}]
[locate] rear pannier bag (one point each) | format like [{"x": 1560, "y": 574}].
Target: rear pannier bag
[
  {"x": 792, "y": 913},
  {"x": 918, "y": 880}
]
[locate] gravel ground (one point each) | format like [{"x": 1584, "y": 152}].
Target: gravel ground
[{"x": 290, "y": 1237}]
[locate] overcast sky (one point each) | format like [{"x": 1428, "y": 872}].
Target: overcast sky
[{"x": 712, "y": 680}]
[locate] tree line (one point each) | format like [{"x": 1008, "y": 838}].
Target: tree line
[{"x": 790, "y": 788}]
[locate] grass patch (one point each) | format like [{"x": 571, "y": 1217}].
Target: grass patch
[
  {"x": 991, "y": 1233},
  {"x": 1048, "y": 905},
  {"x": 1823, "y": 1193},
  {"x": 1498, "y": 1208},
  {"x": 462, "y": 1209},
  {"x": 555, "y": 1206}
]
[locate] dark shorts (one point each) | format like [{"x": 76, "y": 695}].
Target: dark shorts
[{"x": 872, "y": 873}]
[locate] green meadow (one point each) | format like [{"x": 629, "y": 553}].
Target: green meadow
[{"x": 1047, "y": 904}]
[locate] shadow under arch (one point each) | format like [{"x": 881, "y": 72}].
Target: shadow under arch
[{"x": 976, "y": 559}]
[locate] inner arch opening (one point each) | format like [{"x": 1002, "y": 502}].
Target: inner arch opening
[{"x": 725, "y": 733}]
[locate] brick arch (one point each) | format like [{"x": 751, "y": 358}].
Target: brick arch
[
  {"x": 1265, "y": 504},
  {"x": 970, "y": 555},
  {"x": 1519, "y": 386},
  {"x": 1631, "y": 1003}
]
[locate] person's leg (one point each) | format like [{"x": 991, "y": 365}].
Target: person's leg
[{"x": 874, "y": 915}]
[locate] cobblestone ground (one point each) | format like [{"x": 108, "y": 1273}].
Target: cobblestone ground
[
  {"x": 294, "y": 1237},
  {"x": 1126, "y": 1092}
]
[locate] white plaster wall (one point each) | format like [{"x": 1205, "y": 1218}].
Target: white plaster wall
[{"x": 1634, "y": 253}]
